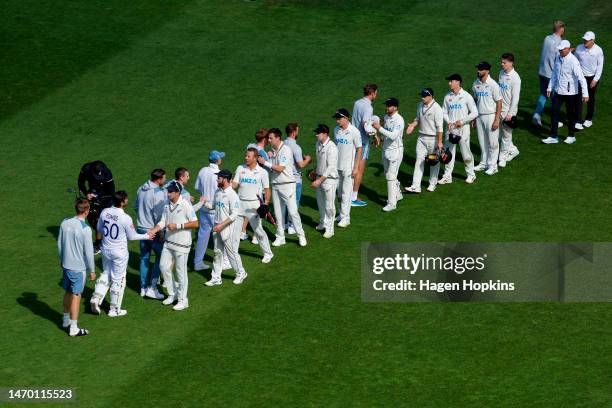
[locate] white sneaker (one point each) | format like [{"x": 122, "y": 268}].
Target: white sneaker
[
  {"x": 491, "y": 171},
  {"x": 143, "y": 292},
  {"x": 431, "y": 188},
  {"x": 152, "y": 295},
  {"x": 255, "y": 241},
  {"x": 570, "y": 140},
  {"x": 470, "y": 179},
  {"x": 512, "y": 154},
  {"x": 344, "y": 223},
  {"x": 400, "y": 196},
  {"x": 578, "y": 126},
  {"x": 389, "y": 207},
  {"x": 78, "y": 332},
  {"x": 445, "y": 180},
  {"x": 117, "y": 312},
  {"x": 267, "y": 258},
  {"x": 413, "y": 190},
  {"x": 240, "y": 278},
  {"x": 537, "y": 120},
  {"x": 560, "y": 125},
  {"x": 181, "y": 305},
  {"x": 214, "y": 282},
  {"x": 328, "y": 234},
  {"x": 244, "y": 236},
  {"x": 157, "y": 294},
  {"x": 200, "y": 267},
  {"x": 291, "y": 230},
  {"x": 587, "y": 123},
  {"x": 501, "y": 162},
  {"x": 278, "y": 242},
  {"x": 302, "y": 241},
  {"x": 480, "y": 167},
  {"x": 550, "y": 140},
  {"x": 95, "y": 307},
  {"x": 320, "y": 227},
  {"x": 169, "y": 300}
]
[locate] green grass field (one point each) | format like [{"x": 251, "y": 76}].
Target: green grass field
[{"x": 147, "y": 84}]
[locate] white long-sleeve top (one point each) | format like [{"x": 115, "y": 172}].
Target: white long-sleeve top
[
  {"x": 327, "y": 159},
  {"x": 460, "y": 106},
  {"x": 116, "y": 228},
  {"x": 430, "y": 118},
  {"x": 206, "y": 183},
  {"x": 567, "y": 77},
  {"x": 392, "y": 132},
  {"x": 226, "y": 205},
  {"x": 591, "y": 60},
  {"x": 486, "y": 95},
  {"x": 180, "y": 212},
  {"x": 510, "y": 85}
]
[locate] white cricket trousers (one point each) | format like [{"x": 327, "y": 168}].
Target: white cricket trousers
[
  {"x": 345, "y": 189},
  {"x": 250, "y": 212},
  {"x": 392, "y": 159},
  {"x": 506, "y": 139},
  {"x": 207, "y": 222},
  {"x": 114, "y": 270},
  {"x": 285, "y": 194},
  {"x": 176, "y": 284},
  {"x": 488, "y": 140},
  {"x": 326, "y": 201},
  {"x": 224, "y": 243},
  {"x": 466, "y": 154},
  {"x": 425, "y": 144}
]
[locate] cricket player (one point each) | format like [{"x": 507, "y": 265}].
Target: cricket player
[
  {"x": 250, "y": 179},
  {"x": 567, "y": 82},
  {"x": 181, "y": 176},
  {"x": 115, "y": 227},
  {"x": 430, "y": 119},
  {"x": 75, "y": 249},
  {"x": 510, "y": 86},
  {"x": 326, "y": 180},
  {"x": 547, "y": 61},
  {"x": 206, "y": 185},
  {"x": 301, "y": 161},
  {"x": 350, "y": 151},
  {"x": 393, "y": 150},
  {"x": 591, "y": 58},
  {"x": 459, "y": 109},
  {"x": 227, "y": 211},
  {"x": 178, "y": 219},
  {"x": 261, "y": 139},
  {"x": 283, "y": 187},
  {"x": 149, "y": 205},
  {"x": 489, "y": 104},
  {"x": 362, "y": 114}
]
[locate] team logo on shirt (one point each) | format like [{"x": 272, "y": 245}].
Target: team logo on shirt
[{"x": 342, "y": 141}]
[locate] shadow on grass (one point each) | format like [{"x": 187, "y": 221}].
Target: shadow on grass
[{"x": 30, "y": 301}]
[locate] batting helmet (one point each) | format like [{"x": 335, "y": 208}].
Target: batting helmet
[
  {"x": 445, "y": 155},
  {"x": 454, "y": 135},
  {"x": 432, "y": 159}
]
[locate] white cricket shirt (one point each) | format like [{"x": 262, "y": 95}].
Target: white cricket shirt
[
  {"x": 486, "y": 94},
  {"x": 430, "y": 118},
  {"x": 251, "y": 182},
  {"x": 116, "y": 228},
  {"x": 348, "y": 141},
  {"x": 510, "y": 86}
]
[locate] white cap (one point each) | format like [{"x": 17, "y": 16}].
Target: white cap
[
  {"x": 589, "y": 35},
  {"x": 563, "y": 45}
]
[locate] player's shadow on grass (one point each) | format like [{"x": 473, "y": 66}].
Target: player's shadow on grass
[
  {"x": 54, "y": 231},
  {"x": 30, "y": 301}
]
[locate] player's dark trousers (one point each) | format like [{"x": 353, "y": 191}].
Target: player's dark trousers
[
  {"x": 590, "y": 103},
  {"x": 571, "y": 106}
]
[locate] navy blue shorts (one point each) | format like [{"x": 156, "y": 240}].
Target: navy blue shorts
[{"x": 73, "y": 281}]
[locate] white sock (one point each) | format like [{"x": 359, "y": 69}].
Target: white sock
[
  {"x": 73, "y": 326},
  {"x": 66, "y": 319},
  {"x": 354, "y": 196}
]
